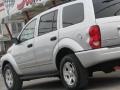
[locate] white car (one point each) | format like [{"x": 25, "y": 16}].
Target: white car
[{"x": 70, "y": 41}]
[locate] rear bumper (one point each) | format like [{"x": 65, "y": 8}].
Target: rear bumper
[{"x": 96, "y": 56}]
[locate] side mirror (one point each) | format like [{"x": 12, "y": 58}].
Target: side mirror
[{"x": 15, "y": 40}]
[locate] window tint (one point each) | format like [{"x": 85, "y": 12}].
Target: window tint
[
  {"x": 54, "y": 27},
  {"x": 48, "y": 23},
  {"x": 106, "y": 8},
  {"x": 73, "y": 14},
  {"x": 28, "y": 32}
]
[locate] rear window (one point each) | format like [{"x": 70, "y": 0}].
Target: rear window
[
  {"x": 106, "y": 8},
  {"x": 73, "y": 14}
]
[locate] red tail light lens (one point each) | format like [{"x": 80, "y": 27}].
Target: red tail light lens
[{"x": 95, "y": 37}]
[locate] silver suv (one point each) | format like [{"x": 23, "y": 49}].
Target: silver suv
[{"x": 70, "y": 41}]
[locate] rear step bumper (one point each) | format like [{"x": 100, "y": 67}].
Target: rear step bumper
[{"x": 96, "y": 56}]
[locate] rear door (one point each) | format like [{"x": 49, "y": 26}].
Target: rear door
[
  {"x": 46, "y": 41},
  {"x": 107, "y": 13}
]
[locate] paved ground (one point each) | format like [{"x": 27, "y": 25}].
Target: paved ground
[{"x": 100, "y": 81}]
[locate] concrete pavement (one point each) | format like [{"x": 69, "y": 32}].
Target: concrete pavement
[{"x": 100, "y": 81}]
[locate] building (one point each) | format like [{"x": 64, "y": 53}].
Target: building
[
  {"x": 15, "y": 13},
  {"x": 4, "y": 38}
]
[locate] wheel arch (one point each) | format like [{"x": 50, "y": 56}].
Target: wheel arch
[
  {"x": 64, "y": 47},
  {"x": 8, "y": 59},
  {"x": 62, "y": 52},
  {"x": 5, "y": 63}
]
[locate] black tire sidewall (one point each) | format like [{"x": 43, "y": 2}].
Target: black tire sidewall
[
  {"x": 4, "y": 71},
  {"x": 82, "y": 76},
  {"x": 17, "y": 83}
]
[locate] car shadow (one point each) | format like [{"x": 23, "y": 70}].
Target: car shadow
[
  {"x": 103, "y": 82},
  {"x": 48, "y": 85},
  {"x": 94, "y": 83}
]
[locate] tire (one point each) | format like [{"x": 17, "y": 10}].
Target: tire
[
  {"x": 73, "y": 75},
  {"x": 12, "y": 80}
]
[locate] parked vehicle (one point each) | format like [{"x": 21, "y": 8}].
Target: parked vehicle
[{"x": 70, "y": 41}]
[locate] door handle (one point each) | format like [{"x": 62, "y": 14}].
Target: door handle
[
  {"x": 30, "y": 45},
  {"x": 118, "y": 28},
  {"x": 53, "y": 38}
]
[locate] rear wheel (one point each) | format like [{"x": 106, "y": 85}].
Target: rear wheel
[
  {"x": 73, "y": 75},
  {"x": 12, "y": 80}
]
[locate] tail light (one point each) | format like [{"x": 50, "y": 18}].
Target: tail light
[{"x": 95, "y": 37}]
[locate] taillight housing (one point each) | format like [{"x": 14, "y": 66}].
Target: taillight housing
[{"x": 95, "y": 37}]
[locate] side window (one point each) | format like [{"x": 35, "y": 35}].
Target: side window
[
  {"x": 28, "y": 32},
  {"x": 54, "y": 26},
  {"x": 48, "y": 23},
  {"x": 73, "y": 14},
  {"x": 106, "y": 8}
]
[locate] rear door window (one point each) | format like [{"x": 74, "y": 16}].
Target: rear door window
[
  {"x": 48, "y": 23},
  {"x": 106, "y": 8},
  {"x": 73, "y": 14}
]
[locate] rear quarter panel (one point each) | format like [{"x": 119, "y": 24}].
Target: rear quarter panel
[{"x": 79, "y": 32}]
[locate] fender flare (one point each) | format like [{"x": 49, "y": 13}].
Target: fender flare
[
  {"x": 9, "y": 58},
  {"x": 66, "y": 43}
]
